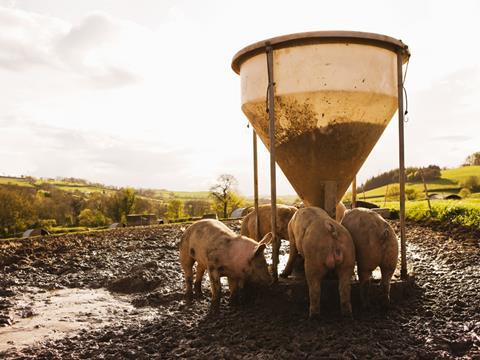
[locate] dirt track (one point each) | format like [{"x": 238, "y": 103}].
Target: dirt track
[{"x": 441, "y": 318}]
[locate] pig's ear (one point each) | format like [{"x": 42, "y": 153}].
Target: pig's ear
[
  {"x": 267, "y": 239},
  {"x": 330, "y": 225},
  {"x": 259, "y": 250}
]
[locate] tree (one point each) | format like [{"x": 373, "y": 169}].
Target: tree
[
  {"x": 121, "y": 204},
  {"x": 16, "y": 212},
  {"x": 92, "y": 218},
  {"x": 197, "y": 207},
  {"x": 224, "y": 195},
  {"x": 473, "y": 159},
  {"x": 175, "y": 209},
  {"x": 143, "y": 206}
]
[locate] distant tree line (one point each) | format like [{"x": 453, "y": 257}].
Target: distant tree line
[
  {"x": 472, "y": 160},
  {"x": 412, "y": 174},
  {"x": 46, "y": 205}
]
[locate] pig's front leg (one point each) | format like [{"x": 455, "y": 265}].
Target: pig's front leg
[
  {"x": 344, "y": 285},
  {"x": 215, "y": 286},
  {"x": 187, "y": 264},
  {"x": 236, "y": 290},
  {"x": 292, "y": 255}
]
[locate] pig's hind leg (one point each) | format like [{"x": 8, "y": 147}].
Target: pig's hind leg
[
  {"x": 364, "y": 283},
  {"x": 387, "y": 273},
  {"x": 314, "y": 278},
  {"x": 344, "y": 290},
  {"x": 198, "y": 280}
]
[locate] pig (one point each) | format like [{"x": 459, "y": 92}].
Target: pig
[
  {"x": 375, "y": 245},
  {"x": 325, "y": 245},
  {"x": 222, "y": 252},
  {"x": 284, "y": 214},
  {"x": 339, "y": 211}
]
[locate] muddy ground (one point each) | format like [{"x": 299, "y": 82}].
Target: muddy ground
[{"x": 118, "y": 294}]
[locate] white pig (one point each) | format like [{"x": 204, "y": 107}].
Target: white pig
[{"x": 222, "y": 252}]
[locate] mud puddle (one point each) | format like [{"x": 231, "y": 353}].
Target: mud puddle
[{"x": 39, "y": 315}]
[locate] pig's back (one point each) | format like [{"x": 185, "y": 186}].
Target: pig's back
[
  {"x": 204, "y": 235},
  {"x": 305, "y": 226},
  {"x": 375, "y": 240},
  {"x": 284, "y": 214},
  {"x": 364, "y": 223}
]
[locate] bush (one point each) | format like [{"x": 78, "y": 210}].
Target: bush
[
  {"x": 92, "y": 218},
  {"x": 464, "y": 193},
  {"x": 456, "y": 214},
  {"x": 46, "y": 223},
  {"x": 411, "y": 193},
  {"x": 393, "y": 192},
  {"x": 472, "y": 183}
]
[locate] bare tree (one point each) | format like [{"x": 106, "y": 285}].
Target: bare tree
[
  {"x": 224, "y": 193},
  {"x": 473, "y": 159}
]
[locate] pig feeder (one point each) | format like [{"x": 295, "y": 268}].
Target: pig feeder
[{"x": 319, "y": 101}]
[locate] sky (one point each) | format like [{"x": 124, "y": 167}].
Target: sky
[{"x": 141, "y": 93}]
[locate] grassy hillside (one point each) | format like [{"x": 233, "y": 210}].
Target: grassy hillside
[
  {"x": 7, "y": 180},
  {"x": 183, "y": 195},
  {"x": 449, "y": 183},
  {"x": 61, "y": 185},
  {"x": 88, "y": 188}
]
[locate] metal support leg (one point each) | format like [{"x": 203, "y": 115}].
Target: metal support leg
[
  {"x": 273, "y": 183},
  {"x": 330, "y": 197},
  {"x": 255, "y": 186},
  {"x": 354, "y": 192},
  {"x": 403, "y": 246}
]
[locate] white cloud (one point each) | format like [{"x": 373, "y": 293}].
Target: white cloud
[
  {"x": 106, "y": 52},
  {"x": 28, "y": 39},
  {"x": 92, "y": 93},
  {"x": 39, "y": 150}
]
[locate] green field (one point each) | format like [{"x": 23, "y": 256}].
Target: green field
[
  {"x": 159, "y": 195},
  {"x": 465, "y": 212},
  {"x": 5, "y": 180},
  {"x": 62, "y": 185},
  {"x": 448, "y": 184}
]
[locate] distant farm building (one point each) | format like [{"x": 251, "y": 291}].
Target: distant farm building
[
  {"x": 141, "y": 219},
  {"x": 35, "y": 232},
  {"x": 241, "y": 212},
  {"x": 444, "y": 197},
  {"x": 116, "y": 225}
]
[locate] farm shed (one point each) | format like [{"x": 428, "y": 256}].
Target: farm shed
[
  {"x": 241, "y": 212},
  {"x": 116, "y": 225},
  {"x": 35, "y": 232},
  {"x": 141, "y": 219},
  {"x": 444, "y": 197}
]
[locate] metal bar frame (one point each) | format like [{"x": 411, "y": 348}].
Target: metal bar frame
[
  {"x": 273, "y": 182},
  {"x": 401, "y": 144},
  {"x": 255, "y": 187},
  {"x": 354, "y": 192},
  {"x": 273, "y": 185}
]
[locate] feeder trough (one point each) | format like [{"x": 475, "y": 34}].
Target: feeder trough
[
  {"x": 335, "y": 92},
  {"x": 319, "y": 101}
]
